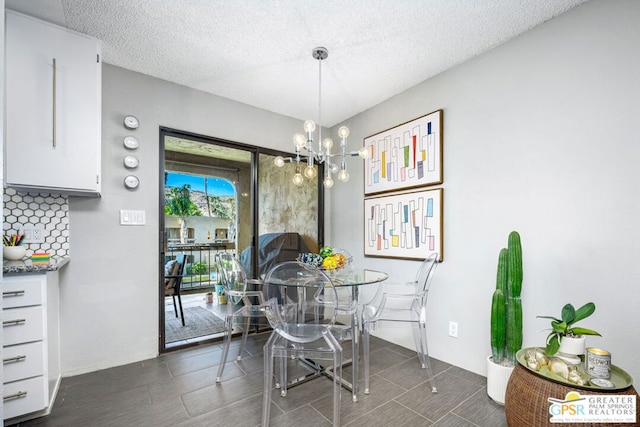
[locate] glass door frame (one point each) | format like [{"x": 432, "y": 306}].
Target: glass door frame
[{"x": 255, "y": 169}]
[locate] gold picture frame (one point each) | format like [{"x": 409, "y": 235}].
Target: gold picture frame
[
  {"x": 407, "y": 225},
  {"x": 406, "y": 156}
]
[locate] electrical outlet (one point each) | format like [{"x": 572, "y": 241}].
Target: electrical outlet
[
  {"x": 33, "y": 233},
  {"x": 453, "y": 329},
  {"x": 38, "y": 235}
]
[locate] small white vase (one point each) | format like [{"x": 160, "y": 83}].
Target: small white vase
[
  {"x": 571, "y": 349},
  {"x": 573, "y": 346},
  {"x": 497, "y": 380}
]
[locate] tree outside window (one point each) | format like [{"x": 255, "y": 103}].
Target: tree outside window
[{"x": 178, "y": 202}]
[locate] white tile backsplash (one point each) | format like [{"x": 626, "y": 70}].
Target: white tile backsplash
[{"x": 50, "y": 210}]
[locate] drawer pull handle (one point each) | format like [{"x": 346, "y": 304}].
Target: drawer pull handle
[
  {"x": 14, "y": 359},
  {"x": 12, "y": 294},
  {"x": 13, "y": 322},
  {"x": 17, "y": 395}
]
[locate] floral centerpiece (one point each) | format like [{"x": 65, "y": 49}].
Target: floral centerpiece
[{"x": 328, "y": 258}]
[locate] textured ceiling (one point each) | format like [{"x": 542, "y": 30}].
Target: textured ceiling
[{"x": 259, "y": 51}]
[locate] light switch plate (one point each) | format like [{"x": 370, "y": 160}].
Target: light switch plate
[
  {"x": 130, "y": 217},
  {"x": 33, "y": 233}
]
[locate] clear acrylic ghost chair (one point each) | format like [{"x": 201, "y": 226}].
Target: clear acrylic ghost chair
[
  {"x": 302, "y": 327},
  {"x": 243, "y": 306},
  {"x": 348, "y": 313},
  {"x": 402, "y": 303}
]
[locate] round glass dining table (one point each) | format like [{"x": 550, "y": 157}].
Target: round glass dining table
[
  {"x": 345, "y": 277},
  {"x": 356, "y": 276},
  {"x": 348, "y": 277}
]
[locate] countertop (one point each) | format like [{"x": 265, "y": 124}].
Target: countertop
[{"x": 26, "y": 266}]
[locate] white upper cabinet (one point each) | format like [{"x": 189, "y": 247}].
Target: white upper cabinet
[{"x": 53, "y": 108}]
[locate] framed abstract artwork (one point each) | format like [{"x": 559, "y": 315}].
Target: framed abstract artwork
[
  {"x": 406, "y": 156},
  {"x": 407, "y": 225}
]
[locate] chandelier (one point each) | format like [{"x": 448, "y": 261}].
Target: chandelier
[{"x": 321, "y": 154}]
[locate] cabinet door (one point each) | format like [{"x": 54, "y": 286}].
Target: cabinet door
[
  {"x": 23, "y": 361},
  {"x": 21, "y": 325},
  {"x": 53, "y": 107},
  {"x": 23, "y": 291},
  {"x": 22, "y": 397}
]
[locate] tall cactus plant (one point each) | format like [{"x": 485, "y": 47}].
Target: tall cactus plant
[
  {"x": 499, "y": 310},
  {"x": 506, "y": 305}
]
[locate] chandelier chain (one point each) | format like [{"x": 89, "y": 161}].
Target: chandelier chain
[{"x": 320, "y": 58}]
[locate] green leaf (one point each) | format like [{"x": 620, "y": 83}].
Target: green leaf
[
  {"x": 549, "y": 317},
  {"x": 559, "y": 327},
  {"x": 568, "y": 314},
  {"x": 584, "y": 311},
  {"x": 584, "y": 331},
  {"x": 552, "y": 346},
  {"x": 551, "y": 334}
]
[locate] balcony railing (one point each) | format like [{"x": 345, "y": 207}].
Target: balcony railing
[{"x": 201, "y": 272}]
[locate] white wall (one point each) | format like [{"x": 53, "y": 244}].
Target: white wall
[
  {"x": 109, "y": 290},
  {"x": 540, "y": 136}
]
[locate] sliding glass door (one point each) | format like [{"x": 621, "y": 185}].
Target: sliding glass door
[
  {"x": 222, "y": 196},
  {"x": 288, "y": 215},
  {"x": 207, "y": 206}
]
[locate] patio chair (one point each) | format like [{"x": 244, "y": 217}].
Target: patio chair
[
  {"x": 402, "y": 303},
  {"x": 174, "y": 272}
]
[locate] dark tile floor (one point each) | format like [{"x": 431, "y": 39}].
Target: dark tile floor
[{"x": 179, "y": 389}]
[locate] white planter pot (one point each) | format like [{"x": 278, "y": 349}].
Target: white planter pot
[
  {"x": 573, "y": 346},
  {"x": 497, "y": 379}
]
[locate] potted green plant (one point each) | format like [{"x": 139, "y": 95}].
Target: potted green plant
[
  {"x": 222, "y": 297},
  {"x": 209, "y": 297},
  {"x": 506, "y": 319},
  {"x": 565, "y": 337}
]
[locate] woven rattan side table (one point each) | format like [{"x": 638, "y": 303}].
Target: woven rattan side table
[{"x": 526, "y": 403}]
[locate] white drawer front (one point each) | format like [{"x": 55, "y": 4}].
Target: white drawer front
[
  {"x": 23, "y": 361},
  {"x": 22, "y": 291},
  {"x": 21, "y": 325},
  {"x": 22, "y": 397}
]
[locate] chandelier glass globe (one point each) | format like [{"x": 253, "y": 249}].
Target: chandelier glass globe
[
  {"x": 328, "y": 182},
  {"x": 298, "y": 179},
  {"x": 310, "y": 172}
]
